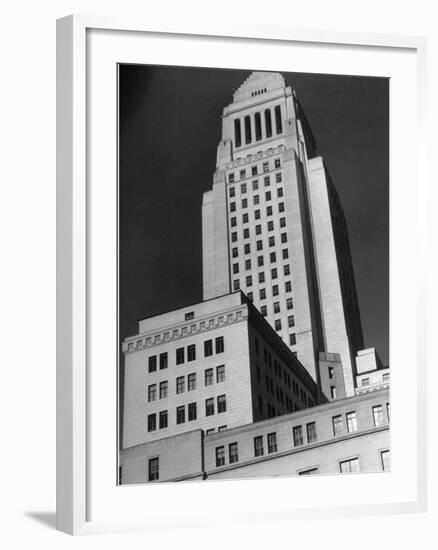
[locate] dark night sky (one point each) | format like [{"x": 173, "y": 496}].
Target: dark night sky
[{"x": 170, "y": 124}]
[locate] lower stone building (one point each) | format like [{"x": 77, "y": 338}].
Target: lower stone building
[{"x": 344, "y": 436}]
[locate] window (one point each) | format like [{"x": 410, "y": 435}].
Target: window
[
  {"x": 285, "y": 253},
  {"x": 247, "y": 129},
  {"x": 289, "y": 303},
  {"x": 258, "y": 229},
  {"x": 233, "y": 237},
  {"x": 208, "y": 377},
  {"x": 258, "y": 446},
  {"x": 292, "y": 339},
  {"x": 152, "y": 363},
  {"x": 236, "y": 284},
  {"x": 220, "y": 374},
  {"x": 272, "y": 257},
  {"x": 277, "y": 163},
  {"x": 282, "y": 222},
  {"x": 256, "y": 199},
  {"x": 237, "y": 133},
  {"x": 266, "y": 167},
  {"x": 257, "y": 214},
  {"x": 232, "y": 191},
  {"x": 254, "y": 170},
  {"x": 244, "y": 203},
  {"x": 233, "y": 222},
  {"x": 268, "y": 123},
  {"x": 180, "y": 415},
  {"x": 209, "y": 406},
  {"x": 163, "y": 419},
  {"x": 311, "y": 432},
  {"x": 242, "y": 177},
  {"x": 180, "y": 385},
  {"x": 258, "y": 127},
  {"x": 163, "y": 389},
  {"x": 209, "y": 431},
  {"x": 255, "y": 185},
  {"x": 264, "y": 310},
  {"x": 283, "y": 237},
  {"x": 163, "y": 360},
  {"x": 261, "y": 277},
  {"x": 222, "y": 428},
  {"x": 351, "y": 422},
  {"x": 267, "y": 181},
  {"x": 221, "y": 404},
  {"x": 247, "y": 249},
  {"x": 219, "y": 342},
  {"x": 152, "y": 422},
  {"x": 385, "y": 377},
  {"x": 268, "y": 196},
  {"x": 269, "y": 211},
  {"x": 378, "y": 415},
  {"x": 220, "y": 456},
  {"x": 245, "y": 218},
  {"x": 208, "y": 348},
  {"x": 191, "y": 352},
  {"x": 249, "y": 280},
  {"x": 276, "y": 307},
  {"x": 308, "y": 472},
  {"x": 192, "y": 411},
  {"x": 233, "y": 453},
  {"x": 281, "y": 207},
  {"x": 365, "y": 381},
  {"x": 235, "y": 252},
  {"x": 337, "y": 425},
  {"x": 385, "y": 458},
  {"x": 278, "y": 123},
  {"x": 154, "y": 469},
  {"x": 235, "y": 268},
  {"x": 388, "y": 411},
  {"x": 232, "y": 206},
  {"x": 277, "y": 324},
  {"x": 298, "y": 435},
  {"x": 286, "y": 269},
  {"x": 278, "y": 180},
  {"x": 272, "y": 443},
  {"x": 260, "y": 261},
  {"x": 330, "y": 372},
  {"x": 275, "y": 290},
  {"x": 259, "y": 245},
  {"x": 152, "y": 392},
  {"x": 333, "y": 392},
  {"x": 179, "y": 356},
  {"x": 191, "y": 381},
  {"x": 250, "y": 296},
  {"x": 349, "y": 466},
  {"x": 271, "y": 241}
]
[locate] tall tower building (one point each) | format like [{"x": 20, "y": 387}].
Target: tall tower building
[{"x": 273, "y": 226}]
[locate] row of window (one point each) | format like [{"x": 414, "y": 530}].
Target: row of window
[
  {"x": 259, "y": 248},
  {"x": 246, "y": 127},
  {"x": 255, "y": 183},
  {"x": 258, "y": 231},
  {"x": 161, "y": 389},
  {"x": 257, "y": 216},
  {"x": 256, "y": 198},
  {"x": 366, "y": 381},
  {"x": 185, "y": 354},
  {"x": 347, "y": 466},
  {"x": 221, "y": 407}
]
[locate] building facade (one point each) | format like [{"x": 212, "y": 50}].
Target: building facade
[{"x": 273, "y": 226}]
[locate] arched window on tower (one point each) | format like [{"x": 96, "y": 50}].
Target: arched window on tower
[
  {"x": 237, "y": 133},
  {"x": 278, "y": 123},
  {"x": 258, "y": 127},
  {"x": 268, "y": 123},
  {"x": 247, "y": 129}
]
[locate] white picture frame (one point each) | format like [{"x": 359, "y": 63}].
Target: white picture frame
[{"x": 73, "y": 222}]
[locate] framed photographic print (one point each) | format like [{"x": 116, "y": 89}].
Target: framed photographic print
[{"x": 232, "y": 275}]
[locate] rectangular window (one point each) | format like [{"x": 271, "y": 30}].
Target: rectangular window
[
  {"x": 243, "y": 186},
  {"x": 163, "y": 389},
  {"x": 276, "y": 307},
  {"x": 254, "y": 170},
  {"x": 191, "y": 352},
  {"x": 163, "y": 361},
  {"x": 271, "y": 241},
  {"x": 232, "y": 206},
  {"x": 249, "y": 280},
  {"x": 163, "y": 419},
  {"x": 209, "y": 406},
  {"x": 257, "y": 214},
  {"x": 286, "y": 269},
  {"x": 219, "y": 342},
  {"x": 277, "y": 163},
  {"x": 258, "y": 229},
  {"x": 262, "y": 294},
  {"x": 235, "y": 252},
  {"x": 289, "y": 303},
  {"x": 152, "y": 363},
  {"x": 236, "y": 284},
  {"x": 280, "y": 193},
  {"x": 242, "y": 175},
  {"x": 152, "y": 392},
  {"x": 246, "y": 233},
  {"x": 233, "y": 237},
  {"x": 258, "y": 446},
  {"x": 235, "y": 268},
  {"x": 152, "y": 422},
  {"x": 233, "y": 222},
  {"x": 284, "y": 237},
  {"x": 282, "y": 222},
  {"x": 220, "y": 374},
  {"x": 292, "y": 339},
  {"x": 180, "y": 384},
  {"x": 260, "y": 261},
  {"x": 298, "y": 435},
  {"x": 261, "y": 277},
  {"x": 285, "y": 254},
  {"x": 153, "y": 469},
  {"x": 337, "y": 425},
  {"x": 272, "y": 257},
  {"x": 278, "y": 177},
  {"x": 231, "y": 180},
  {"x": 277, "y": 324},
  {"x": 232, "y": 191},
  {"x": 221, "y": 404},
  {"x": 291, "y": 321},
  {"x": 267, "y": 181},
  {"x": 268, "y": 196},
  {"x": 233, "y": 453},
  {"x": 247, "y": 249},
  {"x": 191, "y": 381},
  {"x": 330, "y": 372},
  {"x": 269, "y": 211},
  {"x": 208, "y": 377},
  {"x": 378, "y": 415},
  {"x": 349, "y": 466},
  {"x": 208, "y": 348},
  {"x": 259, "y": 245},
  {"x": 351, "y": 422},
  {"x": 220, "y": 456},
  {"x": 311, "y": 432},
  {"x": 333, "y": 392},
  {"x": 222, "y": 428},
  {"x": 244, "y": 203},
  {"x": 255, "y": 185},
  {"x": 272, "y": 443},
  {"x": 308, "y": 472},
  {"x": 179, "y": 356},
  {"x": 264, "y": 310},
  {"x": 192, "y": 411},
  {"x": 388, "y": 410},
  {"x": 385, "y": 458},
  {"x": 180, "y": 415},
  {"x": 281, "y": 207},
  {"x": 256, "y": 199}
]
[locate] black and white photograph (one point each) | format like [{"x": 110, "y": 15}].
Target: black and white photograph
[{"x": 253, "y": 276}]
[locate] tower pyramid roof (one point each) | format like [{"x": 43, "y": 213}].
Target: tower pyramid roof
[{"x": 258, "y": 81}]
